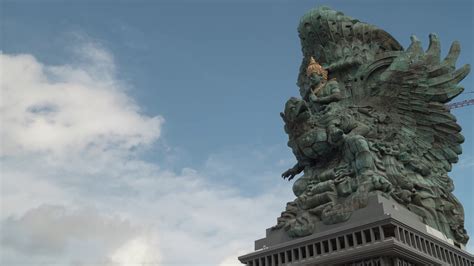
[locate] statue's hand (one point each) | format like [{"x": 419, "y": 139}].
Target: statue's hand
[
  {"x": 313, "y": 98},
  {"x": 342, "y": 172},
  {"x": 290, "y": 174},
  {"x": 343, "y": 169}
]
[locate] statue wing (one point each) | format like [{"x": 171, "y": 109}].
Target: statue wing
[{"x": 414, "y": 90}]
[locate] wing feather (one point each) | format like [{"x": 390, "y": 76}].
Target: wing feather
[{"x": 419, "y": 84}]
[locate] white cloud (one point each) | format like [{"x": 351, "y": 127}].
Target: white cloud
[
  {"x": 73, "y": 187},
  {"x": 50, "y": 227},
  {"x": 63, "y": 108},
  {"x": 182, "y": 209},
  {"x": 54, "y": 233},
  {"x": 470, "y": 247},
  {"x": 232, "y": 259},
  {"x": 138, "y": 251}
]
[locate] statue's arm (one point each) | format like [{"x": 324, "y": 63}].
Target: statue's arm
[
  {"x": 333, "y": 97},
  {"x": 292, "y": 172}
]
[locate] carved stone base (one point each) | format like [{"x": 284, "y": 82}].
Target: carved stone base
[{"x": 383, "y": 233}]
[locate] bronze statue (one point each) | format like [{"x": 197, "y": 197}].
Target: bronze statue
[{"x": 371, "y": 119}]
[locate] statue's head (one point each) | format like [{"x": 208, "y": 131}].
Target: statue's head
[
  {"x": 296, "y": 111},
  {"x": 314, "y": 68},
  {"x": 316, "y": 73}
]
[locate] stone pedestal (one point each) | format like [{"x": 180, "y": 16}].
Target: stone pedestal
[{"x": 383, "y": 233}]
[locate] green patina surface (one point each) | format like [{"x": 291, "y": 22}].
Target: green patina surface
[{"x": 377, "y": 123}]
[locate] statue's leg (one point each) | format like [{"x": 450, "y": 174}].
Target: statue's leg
[{"x": 359, "y": 150}]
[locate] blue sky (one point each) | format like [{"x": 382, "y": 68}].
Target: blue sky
[{"x": 195, "y": 89}]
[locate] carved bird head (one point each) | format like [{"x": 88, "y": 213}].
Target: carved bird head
[{"x": 296, "y": 112}]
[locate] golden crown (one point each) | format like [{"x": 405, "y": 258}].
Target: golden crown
[{"x": 315, "y": 68}]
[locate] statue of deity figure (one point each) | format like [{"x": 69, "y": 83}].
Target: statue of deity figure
[{"x": 371, "y": 119}]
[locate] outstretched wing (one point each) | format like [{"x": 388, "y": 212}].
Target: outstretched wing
[{"x": 415, "y": 88}]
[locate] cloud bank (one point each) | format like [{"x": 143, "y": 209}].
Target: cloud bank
[{"x": 75, "y": 191}]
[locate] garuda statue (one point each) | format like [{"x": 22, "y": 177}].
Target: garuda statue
[{"x": 372, "y": 118}]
